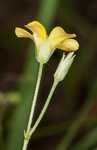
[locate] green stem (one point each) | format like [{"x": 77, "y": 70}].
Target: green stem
[
  {"x": 26, "y": 140},
  {"x": 44, "y": 108}
]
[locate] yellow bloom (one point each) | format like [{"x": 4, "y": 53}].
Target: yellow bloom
[{"x": 45, "y": 45}]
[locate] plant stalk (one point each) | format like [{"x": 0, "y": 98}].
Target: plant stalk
[
  {"x": 44, "y": 108},
  {"x": 26, "y": 134}
]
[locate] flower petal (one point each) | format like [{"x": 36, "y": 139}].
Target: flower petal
[
  {"x": 23, "y": 33},
  {"x": 58, "y": 35},
  {"x": 69, "y": 45},
  {"x": 56, "y": 32},
  {"x": 38, "y": 29}
]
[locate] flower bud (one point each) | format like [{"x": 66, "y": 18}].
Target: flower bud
[{"x": 64, "y": 66}]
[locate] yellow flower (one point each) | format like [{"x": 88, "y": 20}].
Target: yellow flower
[{"x": 45, "y": 45}]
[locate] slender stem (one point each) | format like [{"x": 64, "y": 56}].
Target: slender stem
[
  {"x": 44, "y": 108},
  {"x": 35, "y": 97},
  {"x": 26, "y": 140}
]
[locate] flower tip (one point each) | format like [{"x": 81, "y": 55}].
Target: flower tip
[
  {"x": 17, "y": 32},
  {"x": 22, "y": 33},
  {"x": 76, "y": 45},
  {"x": 74, "y": 35},
  {"x": 72, "y": 45}
]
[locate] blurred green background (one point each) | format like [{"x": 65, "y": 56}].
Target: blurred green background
[{"x": 71, "y": 119}]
